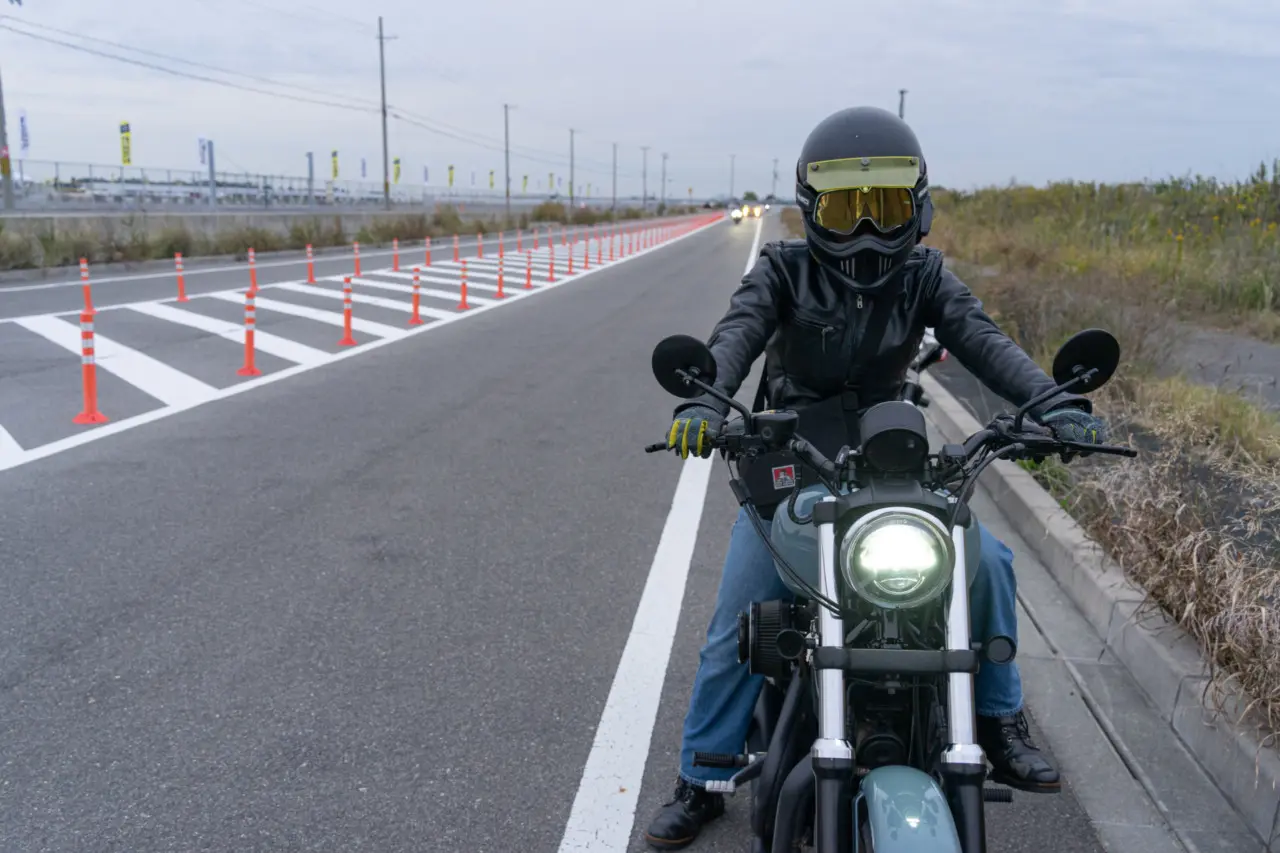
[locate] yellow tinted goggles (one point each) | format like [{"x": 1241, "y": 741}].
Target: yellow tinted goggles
[{"x": 886, "y": 208}]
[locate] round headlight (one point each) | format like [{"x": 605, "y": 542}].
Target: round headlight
[{"x": 897, "y": 558}]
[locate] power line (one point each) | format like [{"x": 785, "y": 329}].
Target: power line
[
  {"x": 190, "y": 62},
  {"x": 176, "y": 73},
  {"x": 431, "y": 125}
]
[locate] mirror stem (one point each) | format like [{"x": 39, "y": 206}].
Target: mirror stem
[
  {"x": 693, "y": 380},
  {"x": 1082, "y": 378}
]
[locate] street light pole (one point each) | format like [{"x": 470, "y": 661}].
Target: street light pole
[
  {"x": 902, "y": 103},
  {"x": 731, "y": 159},
  {"x": 774, "y": 191}
]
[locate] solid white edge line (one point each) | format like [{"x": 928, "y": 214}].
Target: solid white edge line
[
  {"x": 604, "y": 809},
  {"x": 98, "y": 432}
]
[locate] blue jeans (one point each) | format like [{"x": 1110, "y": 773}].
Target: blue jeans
[{"x": 724, "y": 693}]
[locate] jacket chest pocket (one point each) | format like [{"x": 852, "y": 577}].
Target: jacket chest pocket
[{"x": 813, "y": 353}]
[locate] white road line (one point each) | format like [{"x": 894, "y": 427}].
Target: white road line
[
  {"x": 333, "y": 318},
  {"x": 79, "y": 439},
  {"x": 439, "y": 294},
  {"x": 169, "y": 386},
  {"x": 604, "y": 809},
  {"x": 365, "y": 299},
  {"x": 11, "y": 453},
  {"x": 435, "y": 313},
  {"x": 265, "y": 341}
]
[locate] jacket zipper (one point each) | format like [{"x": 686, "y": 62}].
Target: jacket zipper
[{"x": 825, "y": 331}]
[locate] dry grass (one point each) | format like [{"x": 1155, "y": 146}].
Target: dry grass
[{"x": 1205, "y": 248}]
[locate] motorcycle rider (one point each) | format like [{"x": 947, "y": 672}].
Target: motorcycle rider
[{"x": 809, "y": 306}]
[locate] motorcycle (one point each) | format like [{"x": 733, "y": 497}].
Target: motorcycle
[
  {"x": 864, "y": 737},
  {"x": 736, "y": 215}
]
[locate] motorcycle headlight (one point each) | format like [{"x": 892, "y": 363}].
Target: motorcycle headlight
[
  {"x": 897, "y": 558},
  {"x": 737, "y": 214}
]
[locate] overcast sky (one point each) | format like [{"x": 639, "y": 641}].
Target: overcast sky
[{"x": 998, "y": 89}]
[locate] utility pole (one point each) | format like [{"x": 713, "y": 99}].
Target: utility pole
[
  {"x": 731, "y": 159},
  {"x": 6, "y": 165},
  {"x": 663, "y": 202},
  {"x": 644, "y": 179},
  {"x": 506, "y": 155},
  {"x": 311, "y": 179},
  {"x": 571, "y": 132},
  {"x": 615, "y": 180},
  {"x": 774, "y": 191},
  {"x": 382, "y": 69},
  {"x": 902, "y": 103}
]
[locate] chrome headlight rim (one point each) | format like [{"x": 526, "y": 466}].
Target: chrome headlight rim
[{"x": 865, "y": 587}]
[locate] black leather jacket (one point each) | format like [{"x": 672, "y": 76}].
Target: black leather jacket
[{"x": 808, "y": 326}]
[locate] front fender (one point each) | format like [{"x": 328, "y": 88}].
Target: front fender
[{"x": 907, "y": 812}]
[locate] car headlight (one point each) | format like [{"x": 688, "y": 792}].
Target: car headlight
[{"x": 897, "y": 558}]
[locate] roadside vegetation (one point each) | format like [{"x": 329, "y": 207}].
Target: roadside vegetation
[
  {"x": 1195, "y": 519},
  {"x": 131, "y": 239}
]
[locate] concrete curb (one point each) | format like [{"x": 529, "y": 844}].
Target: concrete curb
[{"x": 1162, "y": 658}]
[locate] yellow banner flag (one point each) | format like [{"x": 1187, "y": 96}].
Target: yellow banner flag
[
  {"x": 334, "y": 157},
  {"x": 126, "y": 144},
  {"x": 491, "y": 179},
  {"x": 450, "y": 176},
  {"x": 396, "y": 175},
  {"x": 524, "y": 187},
  {"x": 551, "y": 180}
]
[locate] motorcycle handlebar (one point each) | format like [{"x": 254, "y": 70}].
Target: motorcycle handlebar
[{"x": 1038, "y": 438}]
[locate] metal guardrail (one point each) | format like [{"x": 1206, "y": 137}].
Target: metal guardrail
[{"x": 46, "y": 187}]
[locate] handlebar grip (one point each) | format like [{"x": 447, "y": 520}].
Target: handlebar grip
[{"x": 656, "y": 448}]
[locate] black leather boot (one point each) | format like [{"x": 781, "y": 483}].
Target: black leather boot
[
  {"x": 679, "y": 821},
  {"x": 1015, "y": 760}
]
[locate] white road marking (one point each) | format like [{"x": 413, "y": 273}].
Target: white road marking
[
  {"x": 169, "y": 386},
  {"x": 604, "y": 809},
  {"x": 427, "y": 291},
  {"x": 366, "y": 299},
  {"x": 11, "y": 453},
  {"x": 114, "y": 427},
  {"x": 425, "y": 311},
  {"x": 265, "y": 341},
  {"x": 333, "y": 318}
]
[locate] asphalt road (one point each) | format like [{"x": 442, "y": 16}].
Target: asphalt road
[{"x": 377, "y": 606}]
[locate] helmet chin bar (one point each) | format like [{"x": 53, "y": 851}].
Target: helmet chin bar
[{"x": 866, "y": 262}]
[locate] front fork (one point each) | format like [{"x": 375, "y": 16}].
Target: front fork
[
  {"x": 964, "y": 767},
  {"x": 832, "y": 754}
]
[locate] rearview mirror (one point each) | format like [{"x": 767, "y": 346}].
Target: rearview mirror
[
  {"x": 683, "y": 352},
  {"x": 1090, "y": 350}
]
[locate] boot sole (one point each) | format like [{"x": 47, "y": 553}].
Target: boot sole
[
  {"x": 669, "y": 844},
  {"x": 1027, "y": 787}
]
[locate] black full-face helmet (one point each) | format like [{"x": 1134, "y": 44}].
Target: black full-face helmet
[{"x": 862, "y": 186}]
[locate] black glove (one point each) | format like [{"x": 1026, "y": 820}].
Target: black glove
[
  {"x": 1077, "y": 425},
  {"x": 693, "y": 431}
]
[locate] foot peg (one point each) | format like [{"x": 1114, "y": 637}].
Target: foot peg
[
  {"x": 751, "y": 766},
  {"x": 720, "y": 759},
  {"x": 997, "y": 795}
]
